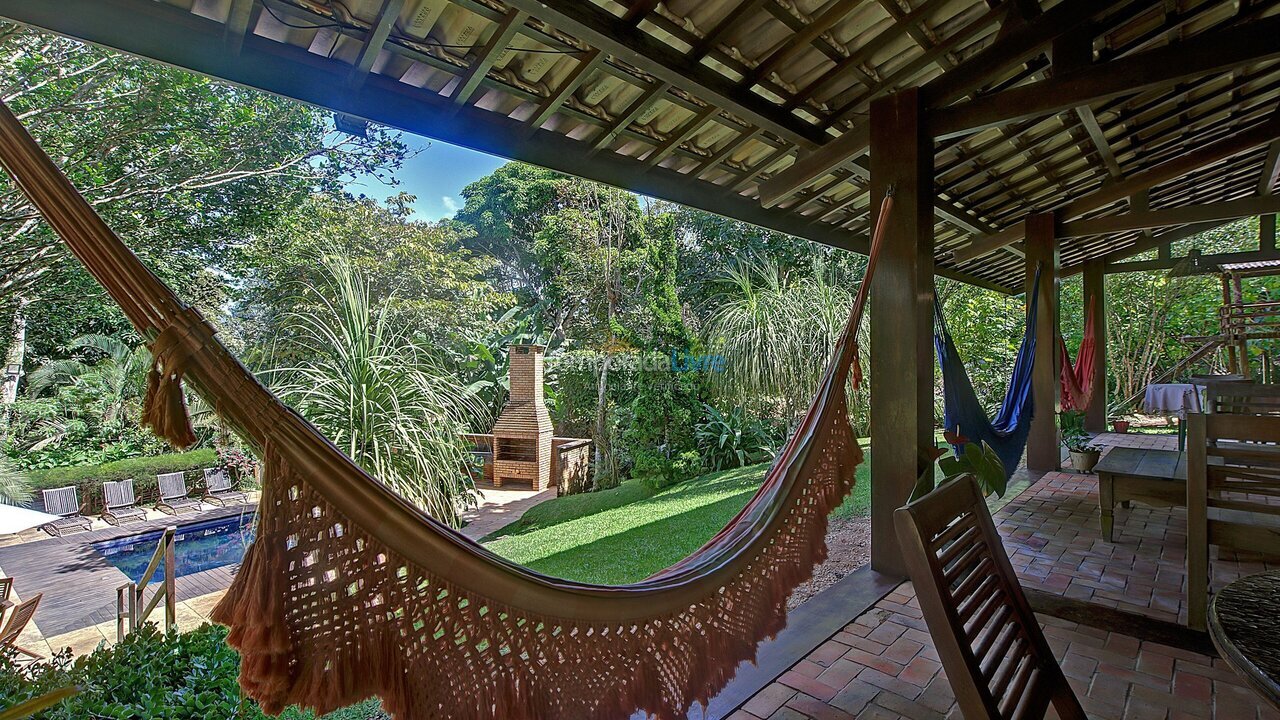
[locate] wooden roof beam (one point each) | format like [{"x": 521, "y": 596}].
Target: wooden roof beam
[
  {"x": 238, "y": 23},
  {"x": 728, "y": 23},
  {"x": 377, "y": 37},
  {"x": 488, "y": 55},
  {"x": 1020, "y": 44},
  {"x": 801, "y": 38},
  {"x": 686, "y": 131},
  {"x": 598, "y": 28},
  {"x": 1202, "y": 55},
  {"x": 633, "y": 111},
  {"x": 1232, "y": 145},
  {"x": 1270, "y": 174},
  {"x": 571, "y": 83},
  {"x": 1185, "y": 215}
]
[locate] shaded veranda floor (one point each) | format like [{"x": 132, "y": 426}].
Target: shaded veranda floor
[{"x": 1128, "y": 662}]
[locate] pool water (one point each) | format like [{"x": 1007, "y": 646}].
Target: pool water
[{"x": 198, "y": 547}]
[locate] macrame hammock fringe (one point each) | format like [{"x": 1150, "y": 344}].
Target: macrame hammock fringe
[
  {"x": 1077, "y": 378},
  {"x": 962, "y": 413},
  {"x": 349, "y": 591}
]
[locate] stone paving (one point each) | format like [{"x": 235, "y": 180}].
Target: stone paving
[
  {"x": 499, "y": 507},
  {"x": 883, "y": 664}
]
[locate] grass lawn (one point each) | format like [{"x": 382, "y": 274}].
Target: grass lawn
[{"x": 628, "y": 533}]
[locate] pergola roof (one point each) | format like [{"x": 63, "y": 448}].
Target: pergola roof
[{"x": 758, "y": 109}]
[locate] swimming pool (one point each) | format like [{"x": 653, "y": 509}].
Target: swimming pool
[{"x": 199, "y": 546}]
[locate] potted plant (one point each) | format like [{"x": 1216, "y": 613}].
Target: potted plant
[
  {"x": 1084, "y": 454},
  {"x": 1120, "y": 425}
]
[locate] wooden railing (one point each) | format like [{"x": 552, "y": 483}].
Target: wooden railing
[{"x": 131, "y": 611}]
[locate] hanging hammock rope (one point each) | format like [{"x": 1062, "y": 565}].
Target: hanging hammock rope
[
  {"x": 349, "y": 591},
  {"x": 963, "y": 414}
]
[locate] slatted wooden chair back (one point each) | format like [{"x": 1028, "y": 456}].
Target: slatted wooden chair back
[
  {"x": 991, "y": 645},
  {"x": 119, "y": 495},
  {"x": 1242, "y": 399},
  {"x": 6, "y": 588},
  {"x": 173, "y": 486},
  {"x": 18, "y": 620},
  {"x": 1233, "y": 495},
  {"x": 63, "y": 501},
  {"x": 217, "y": 480}
]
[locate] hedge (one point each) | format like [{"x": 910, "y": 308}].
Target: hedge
[
  {"x": 151, "y": 676},
  {"x": 88, "y": 479}
]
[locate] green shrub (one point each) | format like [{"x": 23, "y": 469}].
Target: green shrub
[
  {"x": 151, "y": 676},
  {"x": 88, "y": 479}
]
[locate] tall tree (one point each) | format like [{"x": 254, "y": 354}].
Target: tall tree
[{"x": 181, "y": 166}]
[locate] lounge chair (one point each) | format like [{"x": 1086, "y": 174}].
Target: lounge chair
[
  {"x": 121, "y": 505},
  {"x": 65, "y": 503},
  {"x": 218, "y": 488},
  {"x": 17, "y": 623},
  {"x": 174, "y": 495}
]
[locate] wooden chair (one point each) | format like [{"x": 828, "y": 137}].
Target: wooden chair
[
  {"x": 121, "y": 507},
  {"x": 991, "y": 645},
  {"x": 64, "y": 502},
  {"x": 22, "y": 615},
  {"x": 1242, "y": 399},
  {"x": 1233, "y": 495},
  {"x": 175, "y": 497},
  {"x": 218, "y": 489}
]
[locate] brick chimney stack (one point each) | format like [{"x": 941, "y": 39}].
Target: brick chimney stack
[{"x": 522, "y": 434}]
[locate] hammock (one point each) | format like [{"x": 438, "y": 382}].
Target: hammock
[
  {"x": 963, "y": 415},
  {"x": 349, "y": 591},
  {"x": 1077, "y": 378}
]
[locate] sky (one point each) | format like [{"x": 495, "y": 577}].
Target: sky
[{"x": 436, "y": 175}]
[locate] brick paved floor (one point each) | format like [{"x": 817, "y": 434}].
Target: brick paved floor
[{"x": 883, "y": 664}]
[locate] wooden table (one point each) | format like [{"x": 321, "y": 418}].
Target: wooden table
[
  {"x": 1244, "y": 623},
  {"x": 1152, "y": 477}
]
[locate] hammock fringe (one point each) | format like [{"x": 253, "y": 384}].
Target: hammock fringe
[{"x": 164, "y": 409}]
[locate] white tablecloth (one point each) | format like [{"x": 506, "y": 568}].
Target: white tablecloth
[{"x": 1172, "y": 399}]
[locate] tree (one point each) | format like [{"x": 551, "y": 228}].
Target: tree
[
  {"x": 379, "y": 395},
  {"x": 182, "y": 167},
  {"x": 435, "y": 288},
  {"x": 776, "y": 335}
]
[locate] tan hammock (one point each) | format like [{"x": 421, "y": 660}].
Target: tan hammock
[{"x": 349, "y": 591}]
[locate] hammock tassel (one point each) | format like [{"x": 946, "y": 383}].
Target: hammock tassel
[{"x": 164, "y": 409}]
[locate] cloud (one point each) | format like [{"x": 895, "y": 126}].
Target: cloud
[{"x": 450, "y": 204}]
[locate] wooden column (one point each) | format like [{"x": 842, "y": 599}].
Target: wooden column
[
  {"x": 901, "y": 316},
  {"x": 1095, "y": 418},
  {"x": 1267, "y": 234},
  {"x": 1042, "y": 250}
]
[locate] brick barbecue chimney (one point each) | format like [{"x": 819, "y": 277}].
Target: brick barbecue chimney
[{"x": 522, "y": 434}]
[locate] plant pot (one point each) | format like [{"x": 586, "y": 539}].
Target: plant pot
[
  {"x": 1120, "y": 426},
  {"x": 1084, "y": 460}
]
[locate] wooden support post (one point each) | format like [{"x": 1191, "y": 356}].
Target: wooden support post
[
  {"x": 1095, "y": 297},
  {"x": 1267, "y": 234},
  {"x": 1042, "y": 251},
  {"x": 901, "y": 316}
]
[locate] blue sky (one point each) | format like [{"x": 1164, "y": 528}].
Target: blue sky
[{"x": 436, "y": 175}]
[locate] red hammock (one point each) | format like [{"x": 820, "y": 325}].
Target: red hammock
[{"x": 1077, "y": 378}]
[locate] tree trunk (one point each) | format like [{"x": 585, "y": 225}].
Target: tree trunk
[
  {"x": 606, "y": 475},
  {"x": 15, "y": 356}
]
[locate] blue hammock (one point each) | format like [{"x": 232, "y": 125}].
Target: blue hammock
[{"x": 963, "y": 414}]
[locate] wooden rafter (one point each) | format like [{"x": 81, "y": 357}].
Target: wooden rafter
[
  {"x": 374, "y": 41},
  {"x": 1017, "y": 46},
  {"x": 1182, "y": 215},
  {"x": 708, "y": 42},
  {"x": 727, "y": 150},
  {"x": 686, "y": 131},
  {"x": 1270, "y": 173},
  {"x": 633, "y": 111},
  {"x": 1202, "y": 55},
  {"x": 488, "y": 55},
  {"x": 238, "y": 24},
  {"x": 1232, "y": 145},
  {"x": 638, "y": 10},
  {"x": 593, "y": 25},
  {"x": 576, "y": 77},
  {"x": 802, "y": 38}
]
